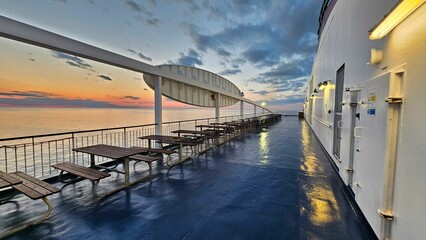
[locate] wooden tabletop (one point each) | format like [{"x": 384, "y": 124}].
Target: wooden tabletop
[
  {"x": 184, "y": 131},
  {"x": 6, "y": 180},
  {"x": 164, "y": 138},
  {"x": 108, "y": 151},
  {"x": 213, "y": 126}
]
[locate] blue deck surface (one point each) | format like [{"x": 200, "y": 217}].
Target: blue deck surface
[{"x": 272, "y": 184}]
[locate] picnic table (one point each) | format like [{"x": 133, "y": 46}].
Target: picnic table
[
  {"x": 201, "y": 134},
  {"x": 173, "y": 140},
  {"x": 217, "y": 128},
  {"x": 31, "y": 187},
  {"x": 7, "y": 180},
  {"x": 113, "y": 152}
]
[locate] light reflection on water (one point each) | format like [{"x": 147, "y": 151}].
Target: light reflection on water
[
  {"x": 264, "y": 148},
  {"x": 323, "y": 207}
]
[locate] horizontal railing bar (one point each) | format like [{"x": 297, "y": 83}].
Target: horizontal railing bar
[
  {"x": 108, "y": 129},
  {"x": 82, "y": 131}
]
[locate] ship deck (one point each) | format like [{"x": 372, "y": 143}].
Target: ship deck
[{"x": 276, "y": 183}]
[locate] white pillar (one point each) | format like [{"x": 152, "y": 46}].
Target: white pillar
[
  {"x": 217, "y": 105},
  {"x": 254, "y": 110},
  {"x": 241, "y": 109},
  {"x": 158, "y": 106}
]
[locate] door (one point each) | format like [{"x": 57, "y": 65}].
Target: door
[{"x": 337, "y": 136}]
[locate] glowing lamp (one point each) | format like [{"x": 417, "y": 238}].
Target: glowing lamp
[
  {"x": 263, "y": 104},
  {"x": 322, "y": 85},
  {"x": 401, "y": 11}
]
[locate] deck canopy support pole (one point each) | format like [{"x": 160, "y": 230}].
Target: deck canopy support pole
[
  {"x": 254, "y": 110},
  {"x": 241, "y": 109},
  {"x": 158, "y": 106},
  {"x": 217, "y": 107}
]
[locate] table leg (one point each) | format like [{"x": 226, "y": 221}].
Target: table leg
[
  {"x": 180, "y": 151},
  {"x": 126, "y": 171},
  {"x": 92, "y": 160}
]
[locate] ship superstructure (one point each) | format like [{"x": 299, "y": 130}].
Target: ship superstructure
[{"x": 364, "y": 102}]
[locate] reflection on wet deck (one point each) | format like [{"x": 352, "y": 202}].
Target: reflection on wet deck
[{"x": 272, "y": 184}]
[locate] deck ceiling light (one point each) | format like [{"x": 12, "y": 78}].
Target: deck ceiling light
[{"x": 402, "y": 10}]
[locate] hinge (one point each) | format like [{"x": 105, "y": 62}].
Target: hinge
[
  {"x": 386, "y": 214},
  {"x": 349, "y": 170},
  {"x": 394, "y": 100}
]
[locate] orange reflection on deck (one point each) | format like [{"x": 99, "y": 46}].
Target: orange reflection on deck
[{"x": 322, "y": 205}]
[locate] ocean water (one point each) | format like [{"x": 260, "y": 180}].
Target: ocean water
[{"x": 17, "y": 122}]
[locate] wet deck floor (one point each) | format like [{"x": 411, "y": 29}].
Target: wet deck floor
[{"x": 272, "y": 184}]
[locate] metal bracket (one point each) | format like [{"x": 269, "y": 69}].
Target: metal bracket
[
  {"x": 386, "y": 214},
  {"x": 349, "y": 170},
  {"x": 394, "y": 100}
]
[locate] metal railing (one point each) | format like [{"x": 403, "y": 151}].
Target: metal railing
[{"x": 35, "y": 154}]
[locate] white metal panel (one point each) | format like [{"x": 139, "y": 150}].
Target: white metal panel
[
  {"x": 188, "y": 93},
  {"x": 369, "y": 160}
]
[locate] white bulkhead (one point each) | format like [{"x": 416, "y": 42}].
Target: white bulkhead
[{"x": 367, "y": 107}]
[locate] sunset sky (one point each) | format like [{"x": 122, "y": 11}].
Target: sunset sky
[{"x": 264, "y": 47}]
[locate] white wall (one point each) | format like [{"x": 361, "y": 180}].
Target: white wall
[{"x": 344, "y": 40}]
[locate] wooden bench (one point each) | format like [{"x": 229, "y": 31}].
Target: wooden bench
[
  {"x": 82, "y": 172},
  {"x": 144, "y": 158},
  {"x": 34, "y": 189}
]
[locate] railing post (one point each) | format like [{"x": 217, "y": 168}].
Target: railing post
[
  {"x": 217, "y": 107},
  {"x": 73, "y": 146},
  {"x": 5, "y": 158},
  {"x": 33, "y": 145},
  {"x": 241, "y": 109},
  {"x": 125, "y": 138},
  {"x": 158, "y": 106}
]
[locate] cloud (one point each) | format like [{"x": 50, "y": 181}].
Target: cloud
[
  {"x": 191, "y": 58},
  {"x": 234, "y": 11},
  {"x": 57, "y": 102},
  {"x": 104, "y": 77},
  {"x": 299, "y": 98},
  {"x": 141, "y": 55},
  {"x": 72, "y": 60},
  {"x": 131, "y": 98},
  {"x": 35, "y": 94},
  {"x": 143, "y": 14},
  {"x": 222, "y": 52},
  {"x": 277, "y": 38},
  {"x": 153, "y": 21},
  {"x": 134, "y": 6},
  {"x": 262, "y": 92},
  {"x": 230, "y": 72},
  {"x": 288, "y": 77}
]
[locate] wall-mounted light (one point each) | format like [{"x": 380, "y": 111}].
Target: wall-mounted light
[
  {"x": 402, "y": 10},
  {"x": 322, "y": 85},
  {"x": 376, "y": 56}
]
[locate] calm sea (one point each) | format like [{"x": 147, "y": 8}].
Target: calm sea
[{"x": 16, "y": 122}]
